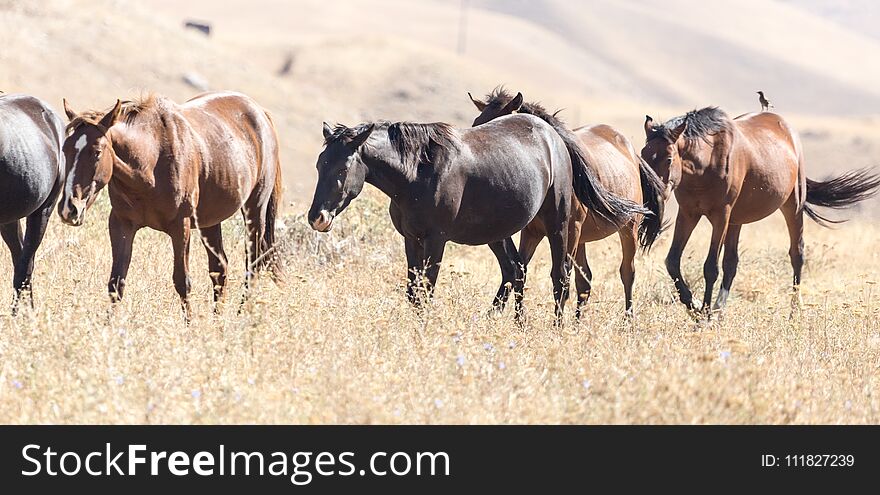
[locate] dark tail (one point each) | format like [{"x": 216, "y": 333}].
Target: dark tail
[
  {"x": 587, "y": 187},
  {"x": 272, "y": 211},
  {"x": 840, "y": 192},
  {"x": 652, "y": 194}
]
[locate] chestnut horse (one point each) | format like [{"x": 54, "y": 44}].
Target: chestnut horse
[
  {"x": 30, "y": 179},
  {"x": 618, "y": 168},
  {"x": 173, "y": 168},
  {"x": 470, "y": 186},
  {"x": 734, "y": 172}
]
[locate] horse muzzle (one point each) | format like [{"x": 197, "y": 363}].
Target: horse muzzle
[
  {"x": 73, "y": 211},
  {"x": 324, "y": 221}
]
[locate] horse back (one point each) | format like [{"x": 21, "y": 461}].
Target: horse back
[
  {"x": 766, "y": 159},
  {"x": 519, "y": 143},
  {"x": 239, "y": 151}
]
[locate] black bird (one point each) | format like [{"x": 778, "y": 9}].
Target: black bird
[{"x": 765, "y": 103}]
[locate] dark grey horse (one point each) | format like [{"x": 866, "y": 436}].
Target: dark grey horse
[
  {"x": 470, "y": 186},
  {"x": 30, "y": 179}
]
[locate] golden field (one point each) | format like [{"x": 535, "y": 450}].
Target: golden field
[{"x": 337, "y": 342}]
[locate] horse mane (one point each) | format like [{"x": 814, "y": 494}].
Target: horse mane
[
  {"x": 701, "y": 124},
  {"x": 414, "y": 143},
  {"x": 499, "y": 97},
  {"x": 129, "y": 110}
]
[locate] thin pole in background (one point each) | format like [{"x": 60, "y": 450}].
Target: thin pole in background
[{"x": 462, "y": 27}]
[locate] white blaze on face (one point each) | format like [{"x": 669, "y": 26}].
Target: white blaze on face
[{"x": 78, "y": 147}]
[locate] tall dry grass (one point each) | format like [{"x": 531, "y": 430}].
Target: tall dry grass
[{"x": 337, "y": 343}]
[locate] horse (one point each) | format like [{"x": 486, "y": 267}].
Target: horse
[
  {"x": 618, "y": 168},
  {"x": 174, "y": 168},
  {"x": 468, "y": 186},
  {"x": 30, "y": 180},
  {"x": 734, "y": 172}
]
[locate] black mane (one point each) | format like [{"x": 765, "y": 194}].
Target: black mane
[
  {"x": 499, "y": 97},
  {"x": 701, "y": 124},
  {"x": 414, "y": 143}
]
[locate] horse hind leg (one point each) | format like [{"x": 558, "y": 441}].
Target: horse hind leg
[
  {"x": 506, "y": 287},
  {"x": 212, "y": 239},
  {"x": 629, "y": 246},
  {"x": 794, "y": 220},
  {"x": 12, "y": 236},
  {"x": 719, "y": 222},
  {"x": 33, "y": 237},
  {"x": 583, "y": 278},
  {"x": 560, "y": 272},
  {"x": 512, "y": 275}
]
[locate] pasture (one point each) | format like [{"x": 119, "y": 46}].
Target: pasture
[{"x": 338, "y": 343}]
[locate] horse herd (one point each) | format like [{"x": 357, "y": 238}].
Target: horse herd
[{"x": 175, "y": 168}]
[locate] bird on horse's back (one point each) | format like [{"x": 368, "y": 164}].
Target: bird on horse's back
[{"x": 734, "y": 172}]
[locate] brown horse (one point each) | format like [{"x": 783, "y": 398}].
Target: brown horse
[
  {"x": 736, "y": 172},
  {"x": 173, "y": 168},
  {"x": 618, "y": 168}
]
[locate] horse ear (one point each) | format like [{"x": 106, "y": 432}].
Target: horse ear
[
  {"x": 649, "y": 125},
  {"x": 514, "y": 104},
  {"x": 678, "y": 131},
  {"x": 477, "y": 103},
  {"x": 69, "y": 111},
  {"x": 328, "y": 131},
  {"x": 112, "y": 116},
  {"x": 362, "y": 137}
]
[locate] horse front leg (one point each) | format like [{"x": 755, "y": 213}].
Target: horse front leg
[
  {"x": 180, "y": 237},
  {"x": 684, "y": 227},
  {"x": 433, "y": 257},
  {"x": 729, "y": 264},
  {"x": 121, "y": 240},
  {"x": 415, "y": 270}
]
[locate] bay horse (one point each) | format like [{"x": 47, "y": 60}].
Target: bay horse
[
  {"x": 734, "y": 172},
  {"x": 174, "y": 168},
  {"x": 30, "y": 180},
  {"x": 469, "y": 186},
  {"x": 618, "y": 168}
]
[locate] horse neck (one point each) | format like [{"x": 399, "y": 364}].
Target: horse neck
[
  {"x": 127, "y": 169},
  {"x": 385, "y": 171},
  {"x": 697, "y": 152}
]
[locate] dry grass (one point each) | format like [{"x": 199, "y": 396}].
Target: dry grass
[{"x": 338, "y": 344}]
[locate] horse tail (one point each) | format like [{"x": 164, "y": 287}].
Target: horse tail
[
  {"x": 840, "y": 192},
  {"x": 272, "y": 212},
  {"x": 587, "y": 187},
  {"x": 652, "y": 194}
]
